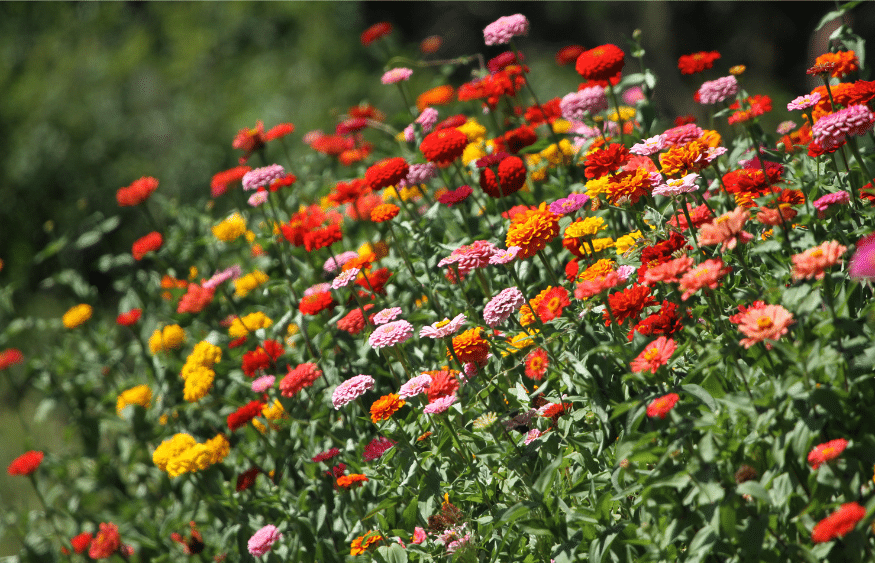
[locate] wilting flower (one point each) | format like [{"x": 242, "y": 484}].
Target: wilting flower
[
  {"x": 825, "y": 452},
  {"x": 262, "y": 540},
  {"x": 655, "y": 355},
  {"x": 838, "y": 523},
  {"x": 661, "y": 406}
]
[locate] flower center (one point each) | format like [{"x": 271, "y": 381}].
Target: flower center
[
  {"x": 765, "y": 322},
  {"x": 817, "y": 253},
  {"x": 651, "y": 354},
  {"x": 553, "y": 304},
  {"x": 442, "y": 324}
]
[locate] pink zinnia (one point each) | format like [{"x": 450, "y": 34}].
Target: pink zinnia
[
  {"x": 318, "y": 288},
  {"x": 648, "y": 146},
  {"x": 351, "y": 389},
  {"x": 726, "y": 230},
  {"x": 532, "y": 435},
  {"x": 862, "y": 266},
  {"x": 576, "y": 105},
  {"x": 468, "y": 257},
  {"x": 504, "y": 256},
  {"x": 263, "y": 383},
  {"x": 335, "y": 262},
  {"x": 804, "y": 102},
  {"x": 345, "y": 278},
  {"x": 677, "y": 186},
  {"x": 813, "y": 262},
  {"x": 590, "y": 288},
  {"x": 443, "y": 328},
  {"x": 822, "y": 204},
  {"x": 262, "y": 540},
  {"x": 762, "y": 322},
  {"x": 566, "y": 205},
  {"x": 439, "y": 405},
  {"x": 258, "y": 198},
  {"x": 218, "y": 278},
  {"x": 415, "y": 386},
  {"x": 419, "y": 173},
  {"x": 682, "y": 134},
  {"x": 656, "y": 354},
  {"x": 390, "y": 334},
  {"x": 830, "y": 131},
  {"x": 668, "y": 272},
  {"x": 377, "y": 447},
  {"x": 427, "y": 120},
  {"x": 396, "y": 75},
  {"x": 386, "y": 315},
  {"x": 661, "y": 406},
  {"x": 419, "y": 535},
  {"x": 785, "y": 127},
  {"x": 706, "y": 274},
  {"x": 718, "y": 90},
  {"x": 504, "y": 29},
  {"x": 261, "y": 177},
  {"x": 502, "y": 306}
]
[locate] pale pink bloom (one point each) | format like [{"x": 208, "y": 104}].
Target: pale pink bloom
[
  {"x": 813, "y": 262},
  {"x": 386, "y": 315},
  {"x": 533, "y": 435},
  {"x": 439, "y": 405},
  {"x": 468, "y": 257},
  {"x": 505, "y": 28},
  {"x": 655, "y": 355},
  {"x": 625, "y": 272},
  {"x": 345, "y": 278},
  {"x": 706, "y": 274},
  {"x": 427, "y": 119},
  {"x": 390, "y": 334},
  {"x": 726, "y": 230},
  {"x": 502, "y": 306},
  {"x": 504, "y": 256},
  {"x": 718, "y": 90},
  {"x": 713, "y": 152},
  {"x": 415, "y": 386},
  {"x": 785, "y": 127},
  {"x": 682, "y": 134},
  {"x": 262, "y": 540},
  {"x": 410, "y": 133},
  {"x": 443, "y": 328},
  {"x": 351, "y": 389},
  {"x": 667, "y": 272},
  {"x": 263, "y": 383},
  {"x": 260, "y": 177},
  {"x": 419, "y": 173},
  {"x": 763, "y": 322},
  {"x": 677, "y": 186},
  {"x": 318, "y": 288},
  {"x": 258, "y": 198},
  {"x": 633, "y": 95},
  {"x": 218, "y": 278},
  {"x": 648, "y": 146},
  {"x": 831, "y": 130},
  {"x": 577, "y": 105},
  {"x": 590, "y": 288},
  {"x": 862, "y": 265},
  {"x": 822, "y": 204},
  {"x": 396, "y": 75},
  {"x": 419, "y": 535},
  {"x": 333, "y": 264},
  {"x": 804, "y": 102}
]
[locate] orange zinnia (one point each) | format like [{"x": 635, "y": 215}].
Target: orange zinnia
[
  {"x": 385, "y": 407},
  {"x": 440, "y": 96},
  {"x": 348, "y": 481},
  {"x": 531, "y": 230},
  {"x": 470, "y": 346}
]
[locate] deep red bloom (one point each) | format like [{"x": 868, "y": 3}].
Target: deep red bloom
[
  {"x": 387, "y": 172},
  {"x": 628, "y": 303},
  {"x": 504, "y": 60},
  {"x": 129, "y": 318},
  {"x": 315, "y": 303},
  {"x": 26, "y": 463},
  {"x": 568, "y": 55},
  {"x": 374, "y": 281},
  {"x": 246, "y": 479},
  {"x": 547, "y": 112},
  {"x": 326, "y": 455},
  {"x": 601, "y": 63},
  {"x": 838, "y": 523},
  {"x": 452, "y": 122},
  {"x": 148, "y": 243},
  {"x": 10, "y": 357},
  {"x": 242, "y": 416},
  {"x": 606, "y": 160},
  {"x": 137, "y": 192},
  {"x": 443, "y": 146},
  {"x": 377, "y": 447},
  {"x": 666, "y": 322},
  {"x": 221, "y": 180},
  {"x": 455, "y": 196},
  {"x": 320, "y": 238},
  {"x": 697, "y": 62},
  {"x": 516, "y": 139},
  {"x": 81, "y": 541},
  {"x": 375, "y": 32},
  {"x": 684, "y": 119},
  {"x": 196, "y": 299},
  {"x": 510, "y": 179}
]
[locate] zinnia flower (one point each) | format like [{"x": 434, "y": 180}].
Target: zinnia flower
[
  {"x": 361, "y": 544},
  {"x": 106, "y": 542},
  {"x": 470, "y": 346},
  {"x": 443, "y": 146},
  {"x": 532, "y": 230},
  {"x": 439, "y": 405},
  {"x": 375, "y": 32},
  {"x": 762, "y": 322},
  {"x": 825, "y": 452},
  {"x": 830, "y": 131},
  {"x": 706, "y": 274},
  {"x": 390, "y": 334},
  {"x": 262, "y": 540},
  {"x": 577, "y": 105},
  {"x": 350, "y": 481},
  {"x": 387, "y": 172},
  {"x": 697, "y": 62},
  {"x": 505, "y": 28},
  {"x": 262, "y": 177},
  {"x": 726, "y": 230},
  {"x": 715, "y": 91},
  {"x": 10, "y": 357},
  {"x": 385, "y": 407},
  {"x": 813, "y": 262},
  {"x": 377, "y": 447},
  {"x": 838, "y": 523},
  {"x": 301, "y": 376},
  {"x": 862, "y": 265},
  {"x": 351, "y": 389},
  {"x": 415, "y": 386},
  {"x": 386, "y": 315},
  {"x": 502, "y": 306},
  {"x": 137, "y": 192},
  {"x": 601, "y": 63},
  {"x": 396, "y": 75},
  {"x": 661, "y": 406},
  {"x": 655, "y": 355},
  {"x": 77, "y": 315},
  {"x": 26, "y": 463},
  {"x": 536, "y": 364}
]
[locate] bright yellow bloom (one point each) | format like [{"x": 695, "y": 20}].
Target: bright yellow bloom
[
  {"x": 520, "y": 341},
  {"x": 379, "y": 249},
  {"x": 626, "y": 242},
  {"x": 204, "y": 354},
  {"x": 230, "y": 229},
  {"x": 598, "y": 186},
  {"x": 626, "y": 113},
  {"x": 171, "y": 448},
  {"x": 139, "y": 395},
  {"x": 390, "y": 194},
  {"x": 599, "y": 244},
  {"x": 410, "y": 192},
  {"x": 77, "y": 315},
  {"x": 473, "y": 130},
  {"x": 598, "y": 270},
  {"x": 218, "y": 447},
  {"x": 710, "y": 138},
  {"x": 472, "y": 152},
  {"x": 587, "y": 227},
  {"x": 198, "y": 382},
  {"x": 561, "y": 126},
  {"x": 166, "y": 339},
  {"x": 250, "y": 323},
  {"x": 244, "y": 284}
]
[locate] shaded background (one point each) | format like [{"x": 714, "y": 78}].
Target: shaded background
[{"x": 96, "y": 95}]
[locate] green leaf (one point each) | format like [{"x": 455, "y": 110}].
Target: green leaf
[
  {"x": 755, "y": 490},
  {"x": 88, "y": 239},
  {"x": 701, "y": 394}
]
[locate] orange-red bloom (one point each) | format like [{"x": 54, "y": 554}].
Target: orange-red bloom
[
  {"x": 697, "y": 62},
  {"x": 536, "y": 364},
  {"x": 554, "y": 301},
  {"x": 376, "y": 31},
  {"x": 384, "y": 212},
  {"x": 838, "y": 523},
  {"x": 10, "y": 357},
  {"x": 387, "y": 172},
  {"x": 655, "y": 355},
  {"x": 136, "y": 193},
  {"x": 26, "y": 463},
  {"x": 351, "y": 481},
  {"x": 532, "y": 230},
  {"x": 470, "y": 346},
  {"x": 601, "y": 63},
  {"x": 661, "y": 406},
  {"x": 443, "y": 146},
  {"x": 148, "y": 243},
  {"x": 438, "y": 96},
  {"x": 315, "y": 303},
  {"x": 842, "y": 63},
  {"x": 825, "y": 452},
  {"x": 385, "y": 407}
]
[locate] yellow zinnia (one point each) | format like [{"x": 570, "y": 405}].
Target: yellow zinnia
[
  {"x": 139, "y": 395},
  {"x": 77, "y": 315}
]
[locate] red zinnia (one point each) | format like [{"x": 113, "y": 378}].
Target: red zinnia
[
  {"x": 244, "y": 415},
  {"x": 301, "y": 376},
  {"x": 221, "y": 180},
  {"x": 354, "y": 321},
  {"x": 568, "y": 55},
  {"x": 826, "y": 452},
  {"x": 443, "y": 146},
  {"x": 387, "y": 172},
  {"x": 316, "y": 303},
  {"x": 374, "y": 281},
  {"x": 697, "y": 62},
  {"x": 553, "y": 303},
  {"x": 106, "y": 542},
  {"x": 246, "y": 479},
  {"x": 628, "y": 303},
  {"x": 536, "y": 364},
  {"x": 10, "y": 357},
  {"x": 129, "y": 318},
  {"x": 196, "y": 299},
  {"x": 375, "y": 32},
  {"x": 516, "y": 140},
  {"x": 838, "y": 523},
  {"x": 662, "y": 405},
  {"x": 510, "y": 179},
  {"x": 136, "y": 193},
  {"x": 606, "y": 160},
  {"x": 455, "y": 196},
  {"x": 320, "y": 238},
  {"x": 81, "y": 541},
  {"x": 443, "y": 384},
  {"x": 148, "y": 243},
  {"x": 278, "y": 131},
  {"x": 26, "y": 463},
  {"x": 601, "y": 63}
]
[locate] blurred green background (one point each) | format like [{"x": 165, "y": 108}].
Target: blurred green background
[{"x": 96, "y": 95}]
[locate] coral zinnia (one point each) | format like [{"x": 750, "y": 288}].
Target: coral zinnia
[
  {"x": 762, "y": 322},
  {"x": 628, "y": 303},
  {"x": 26, "y": 463},
  {"x": 813, "y": 262},
  {"x": 137, "y": 192},
  {"x": 825, "y": 452},
  {"x": 601, "y": 63},
  {"x": 661, "y": 406},
  {"x": 387, "y": 172},
  {"x": 301, "y": 376},
  {"x": 384, "y": 407},
  {"x": 532, "y": 230},
  {"x": 536, "y": 364},
  {"x": 838, "y": 523},
  {"x": 656, "y": 354},
  {"x": 443, "y": 146},
  {"x": 316, "y": 303},
  {"x": 384, "y": 212}
]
